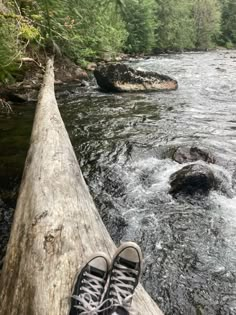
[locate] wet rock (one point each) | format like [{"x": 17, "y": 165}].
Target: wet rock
[
  {"x": 121, "y": 78},
  {"x": 118, "y": 58},
  {"x": 79, "y": 74},
  {"x": 91, "y": 66},
  {"x": 192, "y": 154},
  {"x": 192, "y": 179},
  {"x": 84, "y": 83},
  {"x": 63, "y": 93},
  {"x": 67, "y": 71}
]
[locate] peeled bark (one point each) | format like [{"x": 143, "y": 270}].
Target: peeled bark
[{"x": 56, "y": 224}]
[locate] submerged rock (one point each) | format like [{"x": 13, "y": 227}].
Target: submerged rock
[
  {"x": 191, "y": 179},
  {"x": 192, "y": 154},
  {"x": 122, "y": 78}
]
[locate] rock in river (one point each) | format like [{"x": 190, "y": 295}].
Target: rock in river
[
  {"x": 122, "y": 78},
  {"x": 191, "y": 179},
  {"x": 192, "y": 154}
]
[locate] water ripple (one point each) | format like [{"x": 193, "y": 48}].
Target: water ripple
[{"x": 124, "y": 144}]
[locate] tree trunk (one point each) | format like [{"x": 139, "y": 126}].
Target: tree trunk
[{"x": 56, "y": 224}]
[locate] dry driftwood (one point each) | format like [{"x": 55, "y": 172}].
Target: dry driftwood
[{"x": 56, "y": 225}]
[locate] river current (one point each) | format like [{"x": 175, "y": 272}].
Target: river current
[{"x": 124, "y": 144}]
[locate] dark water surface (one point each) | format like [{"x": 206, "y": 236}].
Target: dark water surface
[
  {"x": 15, "y": 130},
  {"x": 124, "y": 144}
]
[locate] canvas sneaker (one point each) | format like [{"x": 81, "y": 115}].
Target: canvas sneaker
[
  {"x": 124, "y": 277},
  {"x": 89, "y": 285}
]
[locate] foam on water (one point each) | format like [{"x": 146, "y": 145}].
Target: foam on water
[{"x": 125, "y": 146}]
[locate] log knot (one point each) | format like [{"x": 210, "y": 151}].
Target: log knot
[
  {"x": 52, "y": 241},
  {"x": 38, "y": 217}
]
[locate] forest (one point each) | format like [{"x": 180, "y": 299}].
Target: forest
[
  {"x": 86, "y": 30},
  {"x": 127, "y": 111}
]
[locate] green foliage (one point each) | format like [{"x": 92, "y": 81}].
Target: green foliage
[
  {"x": 86, "y": 29},
  {"x": 175, "y": 27},
  {"x": 82, "y": 29},
  {"x": 9, "y": 49},
  {"x": 16, "y": 32},
  {"x": 139, "y": 17},
  {"x": 207, "y": 18},
  {"x": 104, "y": 36},
  {"x": 229, "y": 23},
  {"x": 28, "y": 32}
]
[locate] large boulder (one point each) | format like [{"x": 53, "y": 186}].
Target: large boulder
[
  {"x": 192, "y": 154},
  {"x": 192, "y": 179},
  {"x": 122, "y": 78}
]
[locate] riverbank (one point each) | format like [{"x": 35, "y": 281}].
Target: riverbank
[{"x": 29, "y": 77}]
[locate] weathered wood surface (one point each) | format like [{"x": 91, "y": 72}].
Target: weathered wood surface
[{"x": 56, "y": 225}]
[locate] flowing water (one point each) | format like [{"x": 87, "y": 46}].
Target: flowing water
[{"x": 124, "y": 143}]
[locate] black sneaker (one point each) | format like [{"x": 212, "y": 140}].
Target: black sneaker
[
  {"x": 89, "y": 286},
  {"x": 124, "y": 277}
]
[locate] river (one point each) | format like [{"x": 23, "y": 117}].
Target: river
[{"x": 124, "y": 144}]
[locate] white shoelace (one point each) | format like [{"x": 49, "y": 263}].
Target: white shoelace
[
  {"x": 89, "y": 300},
  {"x": 121, "y": 290}
]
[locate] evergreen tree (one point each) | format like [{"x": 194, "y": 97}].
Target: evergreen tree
[
  {"x": 86, "y": 29},
  {"x": 139, "y": 17},
  {"x": 175, "y": 27},
  {"x": 207, "y": 18},
  {"x": 229, "y": 22}
]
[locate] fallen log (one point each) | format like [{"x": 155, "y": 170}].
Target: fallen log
[{"x": 56, "y": 224}]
